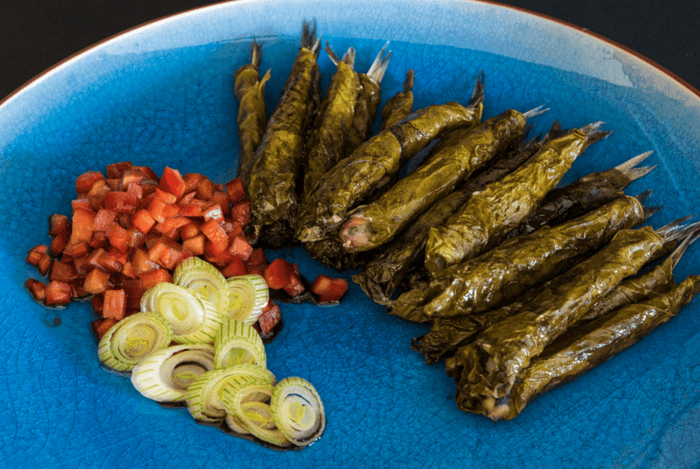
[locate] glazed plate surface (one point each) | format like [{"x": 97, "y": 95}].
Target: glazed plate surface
[{"x": 162, "y": 95}]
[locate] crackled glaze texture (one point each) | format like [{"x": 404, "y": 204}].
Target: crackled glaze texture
[{"x": 162, "y": 94}]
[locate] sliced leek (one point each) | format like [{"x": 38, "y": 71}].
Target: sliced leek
[
  {"x": 297, "y": 411},
  {"x": 238, "y": 343},
  {"x": 201, "y": 277},
  {"x": 164, "y": 376},
  {"x": 204, "y": 395},
  {"x": 194, "y": 318},
  {"x": 236, "y": 425},
  {"x": 248, "y": 295},
  {"x": 132, "y": 339},
  {"x": 245, "y": 399}
]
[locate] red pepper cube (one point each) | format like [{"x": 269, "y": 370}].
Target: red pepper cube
[
  {"x": 85, "y": 181},
  {"x": 173, "y": 234},
  {"x": 58, "y": 293},
  {"x": 221, "y": 198},
  {"x": 235, "y": 190},
  {"x": 148, "y": 188},
  {"x": 257, "y": 269},
  {"x": 189, "y": 230},
  {"x": 133, "y": 289},
  {"x": 187, "y": 198},
  {"x": 216, "y": 234},
  {"x": 58, "y": 224},
  {"x": 153, "y": 278},
  {"x": 99, "y": 240},
  {"x": 195, "y": 244},
  {"x": 114, "y": 304},
  {"x": 128, "y": 270},
  {"x": 321, "y": 285},
  {"x": 295, "y": 287},
  {"x": 83, "y": 226},
  {"x": 62, "y": 272},
  {"x": 112, "y": 183},
  {"x": 91, "y": 261},
  {"x": 110, "y": 261},
  {"x": 143, "y": 221},
  {"x": 213, "y": 257},
  {"x": 121, "y": 202},
  {"x": 116, "y": 170},
  {"x": 191, "y": 210},
  {"x": 240, "y": 248},
  {"x": 96, "y": 281},
  {"x": 270, "y": 317},
  {"x": 146, "y": 201},
  {"x": 234, "y": 268},
  {"x": 174, "y": 223},
  {"x": 132, "y": 175},
  {"x": 97, "y": 303},
  {"x": 35, "y": 254},
  {"x": 231, "y": 228},
  {"x": 103, "y": 219},
  {"x": 101, "y": 326},
  {"x": 150, "y": 174},
  {"x": 83, "y": 203},
  {"x": 278, "y": 274},
  {"x": 191, "y": 181},
  {"x": 171, "y": 181},
  {"x": 171, "y": 210},
  {"x": 166, "y": 197},
  {"x": 36, "y": 288},
  {"x": 142, "y": 263},
  {"x": 44, "y": 264},
  {"x": 118, "y": 237},
  {"x": 136, "y": 190},
  {"x": 213, "y": 212},
  {"x": 257, "y": 257},
  {"x": 241, "y": 212},
  {"x": 136, "y": 237},
  {"x": 335, "y": 292},
  {"x": 76, "y": 250},
  {"x": 205, "y": 188}
]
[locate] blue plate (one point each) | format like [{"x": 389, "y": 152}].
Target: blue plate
[{"x": 162, "y": 95}]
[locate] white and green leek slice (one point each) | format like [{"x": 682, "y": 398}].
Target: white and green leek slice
[
  {"x": 297, "y": 411},
  {"x": 201, "y": 277},
  {"x": 194, "y": 318},
  {"x": 245, "y": 398},
  {"x": 236, "y": 425},
  {"x": 132, "y": 339},
  {"x": 238, "y": 343},
  {"x": 248, "y": 295},
  {"x": 204, "y": 396},
  {"x": 164, "y": 376}
]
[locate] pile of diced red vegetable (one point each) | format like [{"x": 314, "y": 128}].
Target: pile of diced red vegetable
[{"x": 130, "y": 230}]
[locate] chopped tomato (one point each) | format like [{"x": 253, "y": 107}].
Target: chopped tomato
[
  {"x": 187, "y": 198},
  {"x": 136, "y": 237},
  {"x": 336, "y": 290},
  {"x": 241, "y": 212},
  {"x": 83, "y": 203},
  {"x": 171, "y": 181},
  {"x": 269, "y": 318},
  {"x": 111, "y": 261},
  {"x": 278, "y": 274},
  {"x": 235, "y": 190},
  {"x": 114, "y": 304},
  {"x": 97, "y": 303},
  {"x": 295, "y": 287},
  {"x": 130, "y": 176},
  {"x": 58, "y": 293},
  {"x": 76, "y": 250},
  {"x": 96, "y": 281}
]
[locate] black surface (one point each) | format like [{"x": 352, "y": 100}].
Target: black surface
[{"x": 36, "y": 34}]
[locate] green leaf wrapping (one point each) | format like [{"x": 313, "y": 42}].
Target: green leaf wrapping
[
  {"x": 520, "y": 263},
  {"x": 400, "y": 105},
  {"x": 579, "y": 351},
  {"x": 387, "y": 268},
  {"x": 489, "y": 366},
  {"x": 368, "y": 99},
  {"x": 491, "y": 214},
  {"x": 327, "y": 140},
  {"x": 460, "y": 153},
  {"x": 278, "y": 159},
  {"x": 356, "y": 176}
]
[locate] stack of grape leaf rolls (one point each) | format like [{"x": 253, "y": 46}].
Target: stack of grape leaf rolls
[{"x": 514, "y": 274}]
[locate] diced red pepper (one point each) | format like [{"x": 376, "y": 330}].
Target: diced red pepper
[
  {"x": 101, "y": 326},
  {"x": 111, "y": 261},
  {"x": 195, "y": 244},
  {"x": 118, "y": 237},
  {"x": 221, "y": 198},
  {"x": 35, "y": 254},
  {"x": 83, "y": 226},
  {"x": 91, "y": 261},
  {"x": 36, "y": 288},
  {"x": 97, "y": 303},
  {"x": 278, "y": 274},
  {"x": 116, "y": 170},
  {"x": 150, "y": 174},
  {"x": 136, "y": 237},
  {"x": 295, "y": 287},
  {"x": 269, "y": 318},
  {"x": 187, "y": 198},
  {"x": 143, "y": 221},
  {"x": 121, "y": 202},
  {"x": 205, "y": 188},
  {"x": 153, "y": 278},
  {"x": 57, "y": 293},
  {"x": 44, "y": 264},
  {"x": 241, "y": 248},
  {"x": 189, "y": 230},
  {"x": 85, "y": 181},
  {"x": 235, "y": 190},
  {"x": 191, "y": 181},
  {"x": 234, "y": 268},
  {"x": 257, "y": 257},
  {"x": 148, "y": 188},
  {"x": 191, "y": 210},
  {"x": 76, "y": 250},
  {"x": 114, "y": 304},
  {"x": 166, "y": 197},
  {"x": 214, "y": 212},
  {"x": 62, "y": 272},
  {"x": 58, "y": 224},
  {"x": 131, "y": 175},
  {"x": 174, "y": 223},
  {"x": 136, "y": 190},
  {"x": 216, "y": 234},
  {"x": 335, "y": 292},
  {"x": 83, "y": 203},
  {"x": 99, "y": 239},
  {"x": 156, "y": 208},
  {"x": 96, "y": 281},
  {"x": 241, "y": 212},
  {"x": 103, "y": 219},
  {"x": 112, "y": 183},
  {"x": 171, "y": 181},
  {"x": 321, "y": 285},
  {"x": 221, "y": 258}
]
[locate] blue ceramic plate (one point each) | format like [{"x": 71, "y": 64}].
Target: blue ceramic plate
[{"x": 162, "y": 95}]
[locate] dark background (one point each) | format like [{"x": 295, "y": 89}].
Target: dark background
[{"x": 36, "y": 34}]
